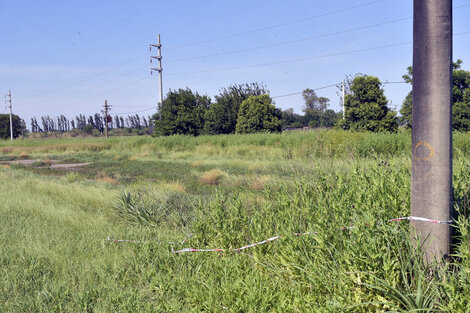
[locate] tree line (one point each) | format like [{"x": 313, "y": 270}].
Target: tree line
[
  {"x": 248, "y": 108},
  {"x": 89, "y": 124},
  {"x": 239, "y": 108}
]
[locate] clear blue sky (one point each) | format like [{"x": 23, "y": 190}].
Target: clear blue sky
[{"x": 67, "y": 57}]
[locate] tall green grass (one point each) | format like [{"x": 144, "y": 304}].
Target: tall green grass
[{"x": 54, "y": 256}]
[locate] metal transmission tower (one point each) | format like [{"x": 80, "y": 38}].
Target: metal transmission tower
[
  {"x": 8, "y": 101},
  {"x": 159, "y": 69},
  {"x": 431, "y": 178}
]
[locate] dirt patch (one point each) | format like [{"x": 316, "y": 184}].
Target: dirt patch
[
  {"x": 52, "y": 164},
  {"x": 23, "y": 162},
  {"x": 66, "y": 166}
]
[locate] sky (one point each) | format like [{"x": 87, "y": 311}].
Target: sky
[{"x": 68, "y": 57}]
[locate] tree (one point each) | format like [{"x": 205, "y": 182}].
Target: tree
[
  {"x": 366, "y": 107},
  {"x": 258, "y": 114},
  {"x": 289, "y": 119},
  {"x": 328, "y": 118},
  {"x": 35, "y": 126},
  {"x": 313, "y": 103},
  {"x": 405, "y": 110},
  {"x": 348, "y": 80},
  {"x": 5, "y": 126},
  {"x": 222, "y": 116},
  {"x": 182, "y": 112},
  {"x": 460, "y": 98}
]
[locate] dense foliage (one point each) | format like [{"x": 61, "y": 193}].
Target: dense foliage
[
  {"x": 258, "y": 114},
  {"x": 221, "y": 117},
  {"x": 181, "y": 113},
  {"x": 366, "y": 107},
  {"x": 460, "y": 98},
  {"x": 19, "y": 127}
]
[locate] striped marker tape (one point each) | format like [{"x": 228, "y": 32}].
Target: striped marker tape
[{"x": 409, "y": 218}]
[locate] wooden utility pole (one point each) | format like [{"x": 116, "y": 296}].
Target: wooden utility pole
[
  {"x": 159, "y": 69},
  {"x": 431, "y": 177}
]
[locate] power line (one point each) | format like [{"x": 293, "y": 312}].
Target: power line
[
  {"x": 87, "y": 78},
  {"x": 276, "y": 25},
  {"x": 102, "y": 94},
  {"x": 93, "y": 87},
  {"x": 294, "y": 60},
  {"x": 298, "y": 93},
  {"x": 195, "y": 43},
  {"x": 232, "y": 52},
  {"x": 121, "y": 113},
  {"x": 400, "y": 82},
  {"x": 329, "y": 86},
  {"x": 301, "y": 59},
  {"x": 291, "y": 41}
]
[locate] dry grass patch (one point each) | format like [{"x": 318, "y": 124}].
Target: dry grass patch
[
  {"x": 4, "y": 166},
  {"x": 256, "y": 166},
  {"x": 6, "y": 150},
  {"x": 234, "y": 181},
  {"x": 175, "y": 186},
  {"x": 135, "y": 157},
  {"x": 260, "y": 183},
  {"x": 196, "y": 164},
  {"x": 103, "y": 178},
  {"x": 47, "y": 161},
  {"x": 212, "y": 177},
  {"x": 69, "y": 147}
]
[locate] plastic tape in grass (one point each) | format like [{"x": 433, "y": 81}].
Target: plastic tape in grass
[{"x": 409, "y": 218}]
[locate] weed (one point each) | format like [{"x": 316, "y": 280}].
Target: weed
[
  {"x": 54, "y": 255},
  {"x": 103, "y": 178},
  {"x": 259, "y": 183},
  {"x": 212, "y": 177}
]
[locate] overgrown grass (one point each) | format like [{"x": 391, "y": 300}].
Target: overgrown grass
[{"x": 227, "y": 191}]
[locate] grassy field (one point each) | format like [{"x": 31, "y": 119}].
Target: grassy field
[{"x": 227, "y": 191}]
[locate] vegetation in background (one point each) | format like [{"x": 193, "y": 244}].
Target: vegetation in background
[
  {"x": 366, "y": 107},
  {"x": 460, "y": 98},
  {"x": 258, "y": 114},
  {"x": 93, "y": 125},
  {"x": 222, "y": 116},
  {"x": 181, "y": 113},
  {"x": 19, "y": 127}
]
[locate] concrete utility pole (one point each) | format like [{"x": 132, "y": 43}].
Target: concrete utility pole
[
  {"x": 8, "y": 100},
  {"x": 105, "y": 111},
  {"x": 431, "y": 178},
  {"x": 159, "y": 69},
  {"x": 344, "y": 106}
]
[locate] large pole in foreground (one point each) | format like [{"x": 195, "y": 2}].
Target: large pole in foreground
[{"x": 431, "y": 178}]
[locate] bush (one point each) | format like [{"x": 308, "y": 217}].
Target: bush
[{"x": 258, "y": 114}]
